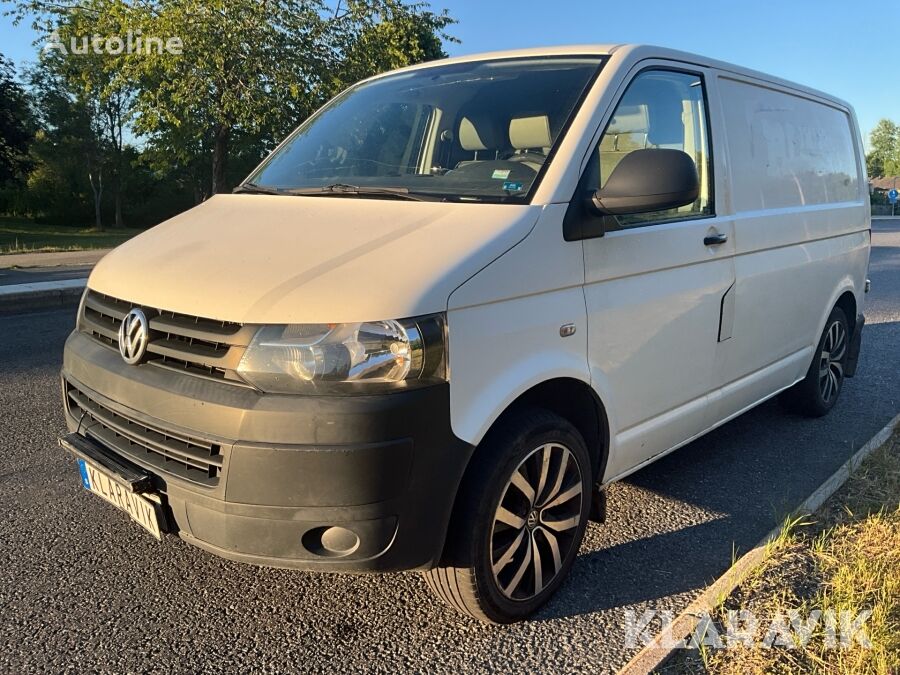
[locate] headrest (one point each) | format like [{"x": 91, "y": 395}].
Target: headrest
[
  {"x": 630, "y": 119},
  {"x": 478, "y": 134},
  {"x": 530, "y": 132}
]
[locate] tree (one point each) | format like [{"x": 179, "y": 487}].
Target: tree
[
  {"x": 884, "y": 158},
  {"x": 245, "y": 73},
  {"x": 75, "y": 106},
  {"x": 255, "y": 69},
  {"x": 91, "y": 79},
  {"x": 95, "y": 80},
  {"x": 16, "y": 127},
  {"x": 396, "y": 35},
  {"x": 68, "y": 152}
]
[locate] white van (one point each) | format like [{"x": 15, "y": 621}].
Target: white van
[{"x": 463, "y": 298}]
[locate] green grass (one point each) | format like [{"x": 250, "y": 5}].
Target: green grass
[
  {"x": 22, "y": 236},
  {"x": 845, "y": 557}
]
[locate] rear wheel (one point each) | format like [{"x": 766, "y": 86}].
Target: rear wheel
[
  {"x": 518, "y": 521},
  {"x": 817, "y": 393}
]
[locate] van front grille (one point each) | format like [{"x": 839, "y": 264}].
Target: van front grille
[
  {"x": 189, "y": 344},
  {"x": 185, "y": 456}
]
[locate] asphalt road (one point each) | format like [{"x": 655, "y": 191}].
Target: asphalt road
[
  {"x": 82, "y": 588},
  {"x": 30, "y": 275}
]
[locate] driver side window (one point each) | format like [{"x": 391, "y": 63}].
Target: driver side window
[{"x": 660, "y": 109}]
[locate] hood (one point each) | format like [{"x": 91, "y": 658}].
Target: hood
[{"x": 284, "y": 259}]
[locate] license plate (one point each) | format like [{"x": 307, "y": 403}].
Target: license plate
[{"x": 143, "y": 509}]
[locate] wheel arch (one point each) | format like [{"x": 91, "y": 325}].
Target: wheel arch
[
  {"x": 847, "y": 302},
  {"x": 573, "y": 400},
  {"x": 844, "y": 296}
]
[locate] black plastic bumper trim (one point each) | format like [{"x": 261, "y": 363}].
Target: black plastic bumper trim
[
  {"x": 132, "y": 477},
  {"x": 855, "y": 343}
]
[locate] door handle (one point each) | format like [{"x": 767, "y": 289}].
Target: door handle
[{"x": 715, "y": 239}]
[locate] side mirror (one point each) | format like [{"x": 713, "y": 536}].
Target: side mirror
[{"x": 647, "y": 180}]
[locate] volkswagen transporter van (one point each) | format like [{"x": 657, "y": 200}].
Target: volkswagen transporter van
[{"x": 462, "y": 299}]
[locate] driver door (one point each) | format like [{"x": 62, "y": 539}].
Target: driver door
[{"x": 654, "y": 288}]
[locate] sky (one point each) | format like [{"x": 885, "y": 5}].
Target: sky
[{"x": 843, "y": 47}]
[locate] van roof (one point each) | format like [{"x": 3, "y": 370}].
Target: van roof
[{"x": 635, "y": 51}]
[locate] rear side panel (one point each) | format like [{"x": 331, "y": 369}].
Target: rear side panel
[{"x": 801, "y": 231}]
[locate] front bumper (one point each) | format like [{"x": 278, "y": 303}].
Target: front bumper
[{"x": 385, "y": 468}]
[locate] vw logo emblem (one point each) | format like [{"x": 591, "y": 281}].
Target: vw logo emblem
[{"x": 134, "y": 334}]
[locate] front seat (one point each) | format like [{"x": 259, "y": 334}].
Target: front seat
[
  {"x": 479, "y": 134},
  {"x": 530, "y": 136}
]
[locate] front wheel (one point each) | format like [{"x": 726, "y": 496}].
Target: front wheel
[
  {"x": 518, "y": 521},
  {"x": 817, "y": 393}
]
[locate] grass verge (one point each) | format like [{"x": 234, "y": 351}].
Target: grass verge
[
  {"x": 843, "y": 558},
  {"x": 18, "y": 236}
]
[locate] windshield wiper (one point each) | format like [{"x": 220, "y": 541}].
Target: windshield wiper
[
  {"x": 338, "y": 189},
  {"x": 254, "y": 189},
  {"x": 335, "y": 189}
]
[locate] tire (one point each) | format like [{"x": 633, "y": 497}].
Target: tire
[
  {"x": 527, "y": 492},
  {"x": 817, "y": 393}
]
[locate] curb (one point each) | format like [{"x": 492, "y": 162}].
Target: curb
[
  {"x": 655, "y": 654},
  {"x": 53, "y": 259},
  {"x": 41, "y": 295}
]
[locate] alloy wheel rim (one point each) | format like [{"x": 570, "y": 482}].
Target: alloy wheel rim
[
  {"x": 831, "y": 361},
  {"x": 536, "y": 521}
]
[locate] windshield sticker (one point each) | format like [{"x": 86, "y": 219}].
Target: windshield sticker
[
  {"x": 500, "y": 174},
  {"x": 510, "y": 186}
]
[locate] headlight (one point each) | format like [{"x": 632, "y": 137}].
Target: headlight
[{"x": 337, "y": 358}]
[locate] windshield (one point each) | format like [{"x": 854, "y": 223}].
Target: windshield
[{"x": 479, "y": 131}]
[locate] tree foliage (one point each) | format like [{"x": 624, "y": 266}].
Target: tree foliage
[
  {"x": 16, "y": 128},
  {"x": 884, "y": 156},
  {"x": 67, "y": 153},
  {"x": 77, "y": 100},
  {"x": 247, "y": 72}
]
